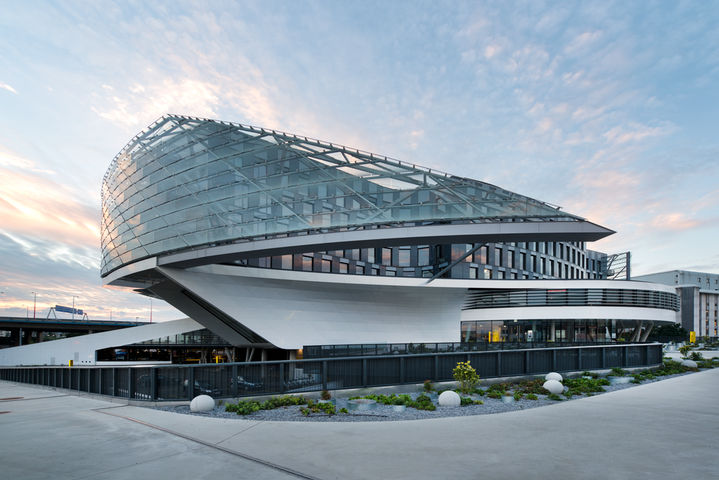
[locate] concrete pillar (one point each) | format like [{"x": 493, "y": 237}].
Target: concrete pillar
[
  {"x": 647, "y": 331},
  {"x": 551, "y": 331}
]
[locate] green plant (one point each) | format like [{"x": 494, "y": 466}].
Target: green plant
[
  {"x": 518, "y": 396},
  {"x": 555, "y": 397},
  {"x": 479, "y": 392},
  {"x": 696, "y": 356},
  {"x": 465, "y": 401},
  {"x": 243, "y": 407},
  {"x": 531, "y": 396},
  {"x": 531, "y": 386},
  {"x": 343, "y": 410},
  {"x": 428, "y": 387},
  {"x": 423, "y": 402},
  {"x": 585, "y": 386},
  {"x": 494, "y": 394},
  {"x": 466, "y": 376},
  {"x": 617, "y": 372},
  {"x": 325, "y": 395},
  {"x": 312, "y": 407},
  {"x": 684, "y": 350}
]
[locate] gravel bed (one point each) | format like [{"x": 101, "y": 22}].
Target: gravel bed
[{"x": 384, "y": 413}]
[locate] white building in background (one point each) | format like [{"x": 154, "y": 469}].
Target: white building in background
[{"x": 699, "y": 299}]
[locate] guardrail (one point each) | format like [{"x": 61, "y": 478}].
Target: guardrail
[{"x": 183, "y": 382}]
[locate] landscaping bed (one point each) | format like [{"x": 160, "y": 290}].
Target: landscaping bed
[{"x": 485, "y": 400}]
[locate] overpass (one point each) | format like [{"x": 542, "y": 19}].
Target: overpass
[{"x": 16, "y": 331}]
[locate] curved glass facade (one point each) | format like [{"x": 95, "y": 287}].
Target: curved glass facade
[{"x": 188, "y": 182}]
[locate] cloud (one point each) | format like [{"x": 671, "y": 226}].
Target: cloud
[
  {"x": 636, "y": 132},
  {"x": 7, "y": 87}
]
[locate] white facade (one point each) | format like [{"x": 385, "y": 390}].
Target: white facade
[{"x": 699, "y": 296}]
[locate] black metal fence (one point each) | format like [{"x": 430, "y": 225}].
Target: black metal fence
[{"x": 182, "y": 382}]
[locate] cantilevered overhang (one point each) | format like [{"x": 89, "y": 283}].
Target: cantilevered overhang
[
  {"x": 543, "y": 231},
  {"x": 536, "y": 231}
]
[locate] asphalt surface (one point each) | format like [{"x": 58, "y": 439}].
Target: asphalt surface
[{"x": 658, "y": 430}]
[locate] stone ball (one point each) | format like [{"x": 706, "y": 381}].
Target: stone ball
[
  {"x": 689, "y": 363},
  {"x": 553, "y": 376},
  {"x": 553, "y": 386},
  {"x": 202, "y": 403},
  {"x": 449, "y": 399}
]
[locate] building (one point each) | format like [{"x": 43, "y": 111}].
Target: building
[
  {"x": 278, "y": 241},
  {"x": 699, "y": 296}
]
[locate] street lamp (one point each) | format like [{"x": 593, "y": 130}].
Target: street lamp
[
  {"x": 73, "y": 306},
  {"x": 34, "y": 305},
  {"x": 150, "y": 309}
]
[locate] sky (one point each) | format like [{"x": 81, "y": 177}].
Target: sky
[{"x": 607, "y": 109}]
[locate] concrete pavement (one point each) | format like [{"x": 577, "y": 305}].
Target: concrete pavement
[{"x": 658, "y": 430}]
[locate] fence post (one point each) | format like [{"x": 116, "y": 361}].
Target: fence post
[
  {"x": 153, "y": 383},
  {"x": 554, "y": 360},
  {"x": 499, "y": 363},
  {"x": 191, "y": 382},
  {"x": 579, "y": 358},
  {"x": 402, "y": 375},
  {"x": 364, "y": 372},
  {"x": 130, "y": 384},
  {"x": 113, "y": 390},
  {"x": 282, "y": 378},
  {"x": 624, "y": 356},
  {"x": 324, "y": 374},
  {"x": 235, "y": 386},
  {"x": 604, "y": 357},
  {"x": 435, "y": 368},
  {"x": 79, "y": 379},
  {"x": 526, "y": 362}
]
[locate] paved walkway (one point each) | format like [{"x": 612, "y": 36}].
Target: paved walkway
[{"x": 659, "y": 430}]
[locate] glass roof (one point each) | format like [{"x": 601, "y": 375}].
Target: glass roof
[{"x": 187, "y": 181}]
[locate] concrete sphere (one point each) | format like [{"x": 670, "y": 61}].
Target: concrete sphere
[
  {"x": 689, "y": 363},
  {"x": 553, "y": 386},
  {"x": 202, "y": 403},
  {"x": 449, "y": 399},
  {"x": 553, "y": 376}
]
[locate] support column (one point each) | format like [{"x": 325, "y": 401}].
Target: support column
[{"x": 646, "y": 333}]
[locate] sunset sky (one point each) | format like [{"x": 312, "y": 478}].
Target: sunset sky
[{"x": 608, "y": 109}]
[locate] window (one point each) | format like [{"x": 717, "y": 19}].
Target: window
[
  {"x": 307, "y": 263},
  {"x": 386, "y": 256},
  {"x": 360, "y": 270},
  {"x": 480, "y": 256},
  {"x": 403, "y": 256},
  {"x": 487, "y": 273},
  {"x": 326, "y": 266},
  {"x": 370, "y": 255},
  {"x": 498, "y": 257},
  {"x": 344, "y": 267},
  {"x": 510, "y": 259},
  {"x": 423, "y": 255},
  {"x": 473, "y": 271}
]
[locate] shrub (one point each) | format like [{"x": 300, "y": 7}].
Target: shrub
[
  {"x": 243, "y": 407},
  {"x": 423, "y": 402},
  {"x": 684, "y": 350},
  {"x": 555, "y": 397},
  {"x": 325, "y": 395},
  {"x": 313, "y": 407},
  {"x": 617, "y": 372},
  {"x": 532, "y": 386},
  {"x": 494, "y": 394},
  {"x": 428, "y": 387},
  {"x": 696, "y": 356},
  {"x": 343, "y": 410},
  {"x": 584, "y": 386},
  {"x": 466, "y": 376},
  {"x": 518, "y": 396},
  {"x": 531, "y": 396}
]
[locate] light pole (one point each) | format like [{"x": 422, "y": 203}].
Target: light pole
[
  {"x": 34, "y": 305},
  {"x": 150, "y": 309},
  {"x": 73, "y": 306}
]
